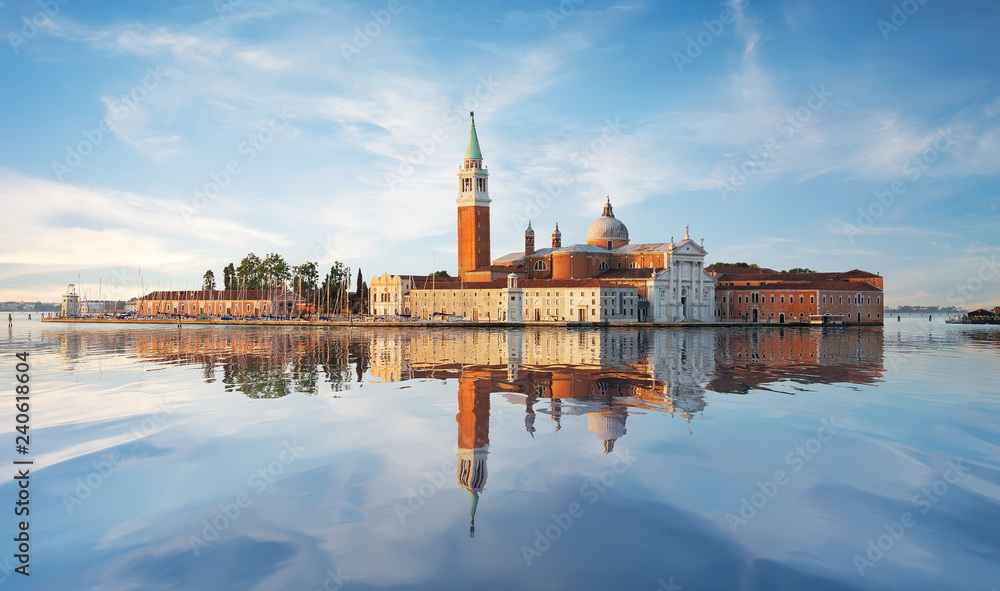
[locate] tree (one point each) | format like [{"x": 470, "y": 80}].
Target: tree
[
  {"x": 273, "y": 271},
  {"x": 209, "y": 281},
  {"x": 440, "y": 274},
  {"x": 799, "y": 270},
  {"x": 248, "y": 273},
  {"x": 335, "y": 286},
  {"x": 743, "y": 265},
  {"x": 304, "y": 277},
  {"x": 228, "y": 274},
  {"x": 361, "y": 296}
]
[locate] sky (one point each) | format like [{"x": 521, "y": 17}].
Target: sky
[{"x": 145, "y": 143}]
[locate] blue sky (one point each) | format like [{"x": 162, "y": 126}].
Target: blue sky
[{"x": 120, "y": 121}]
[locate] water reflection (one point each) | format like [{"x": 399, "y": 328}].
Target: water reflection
[
  {"x": 609, "y": 391},
  {"x": 646, "y": 369}
]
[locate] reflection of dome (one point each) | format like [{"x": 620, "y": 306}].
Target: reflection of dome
[
  {"x": 609, "y": 425},
  {"x": 607, "y": 228}
]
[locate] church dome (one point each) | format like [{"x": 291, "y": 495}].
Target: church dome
[
  {"x": 607, "y": 228},
  {"x": 529, "y": 231}
]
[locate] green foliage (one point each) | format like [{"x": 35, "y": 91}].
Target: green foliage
[
  {"x": 305, "y": 277},
  {"x": 208, "y": 281},
  {"x": 440, "y": 274},
  {"x": 799, "y": 270},
  {"x": 273, "y": 270},
  {"x": 228, "y": 276},
  {"x": 248, "y": 273},
  {"x": 744, "y": 265}
]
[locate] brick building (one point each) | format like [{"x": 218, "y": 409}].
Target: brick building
[{"x": 765, "y": 295}]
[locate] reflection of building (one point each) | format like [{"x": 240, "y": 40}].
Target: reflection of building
[
  {"x": 235, "y": 302},
  {"x": 554, "y": 375},
  {"x": 752, "y": 358},
  {"x": 70, "y": 303}
]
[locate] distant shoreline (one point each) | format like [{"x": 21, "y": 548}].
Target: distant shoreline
[{"x": 432, "y": 324}]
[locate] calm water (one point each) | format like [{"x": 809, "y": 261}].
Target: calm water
[{"x": 302, "y": 459}]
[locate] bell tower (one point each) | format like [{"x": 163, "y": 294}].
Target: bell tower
[{"x": 473, "y": 208}]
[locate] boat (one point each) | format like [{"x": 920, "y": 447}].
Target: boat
[{"x": 826, "y": 319}]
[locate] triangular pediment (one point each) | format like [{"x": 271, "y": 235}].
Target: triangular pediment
[{"x": 688, "y": 246}]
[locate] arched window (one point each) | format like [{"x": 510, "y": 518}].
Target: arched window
[
  {"x": 540, "y": 266},
  {"x": 634, "y": 265},
  {"x": 603, "y": 266}
]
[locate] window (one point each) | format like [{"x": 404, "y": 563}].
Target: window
[
  {"x": 869, "y": 302},
  {"x": 878, "y": 299},
  {"x": 539, "y": 266},
  {"x": 840, "y": 299},
  {"x": 602, "y": 266},
  {"x": 634, "y": 265},
  {"x": 772, "y": 298},
  {"x": 812, "y": 299},
  {"x": 609, "y": 248},
  {"x": 802, "y": 299},
  {"x": 619, "y": 265},
  {"x": 782, "y": 299}
]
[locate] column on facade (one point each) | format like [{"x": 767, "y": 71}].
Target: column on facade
[{"x": 701, "y": 301}]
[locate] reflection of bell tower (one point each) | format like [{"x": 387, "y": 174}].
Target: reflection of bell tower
[
  {"x": 473, "y": 439},
  {"x": 473, "y": 208}
]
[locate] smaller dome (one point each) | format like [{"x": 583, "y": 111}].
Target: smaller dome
[
  {"x": 557, "y": 232},
  {"x": 529, "y": 231}
]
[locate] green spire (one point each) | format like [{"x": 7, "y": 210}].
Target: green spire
[
  {"x": 473, "y": 150},
  {"x": 472, "y": 513}
]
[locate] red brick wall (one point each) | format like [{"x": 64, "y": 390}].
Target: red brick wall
[
  {"x": 837, "y": 302},
  {"x": 473, "y": 223}
]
